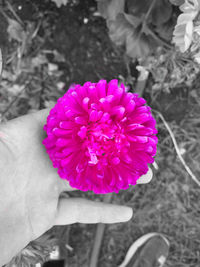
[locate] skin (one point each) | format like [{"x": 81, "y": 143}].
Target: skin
[{"x": 30, "y": 201}]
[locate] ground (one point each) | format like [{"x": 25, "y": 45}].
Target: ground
[{"x": 71, "y": 44}]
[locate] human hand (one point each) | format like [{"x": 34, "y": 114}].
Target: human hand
[{"x": 30, "y": 201}]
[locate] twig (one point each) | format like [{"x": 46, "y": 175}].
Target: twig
[
  {"x": 149, "y": 10},
  {"x": 99, "y": 237},
  {"x": 14, "y": 13},
  {"x": 177, "y": 149},
  {"x": 34, "y": 34},
  {"x": 144, "y": 19},
  {"x": 97, "y": 244},
  {"x": 42, "y": 88},
  {"x": 1, "y": 62},
  {"x": 157, "y": 38},
  {"x": 145, "y": 28}
]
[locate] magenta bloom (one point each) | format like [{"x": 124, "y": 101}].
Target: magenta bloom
[{"x": 100, "y": 137}]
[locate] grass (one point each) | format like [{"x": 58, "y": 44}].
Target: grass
[{"x": 170, "y": 203}]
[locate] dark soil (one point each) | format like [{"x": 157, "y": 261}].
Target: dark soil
[{"x": 81, "y": 37}]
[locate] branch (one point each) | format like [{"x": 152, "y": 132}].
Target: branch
[
  {"x": 178, "y": 150},
  {"x": 157, "y": 38},
  {"x": 149, "y": 10}
]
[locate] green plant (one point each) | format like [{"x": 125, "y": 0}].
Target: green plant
[
  {"x": 142, "y": 26},
  {"x": 38, "y": 251},
  {"x": 59, "y": 3}
]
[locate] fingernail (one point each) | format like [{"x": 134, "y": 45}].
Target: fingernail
[{"x": 127, "y": 213}]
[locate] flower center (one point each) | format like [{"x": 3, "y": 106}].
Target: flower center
[{"x": 103, "y": 142}]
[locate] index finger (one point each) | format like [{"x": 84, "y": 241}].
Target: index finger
[{"x": 72, "y": 210}]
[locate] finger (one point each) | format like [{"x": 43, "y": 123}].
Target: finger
[
  {"x": 144, "y": 179},
  {"x": 72, "y": 210}
]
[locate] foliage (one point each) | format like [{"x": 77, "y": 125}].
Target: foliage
[
  {"x": 177, "y": 2},
  {"x": 183, "y": 32},
  {"x": 142, "y": 26},
  {"x": 187, "y": 33},
  {"x": 170, "y": 70},
  {"x": 15, "y": 30},
  {"x": 139, "y": 26},
  {"x": 59, "y": 3},
  {"x": 37, "y": 251}
]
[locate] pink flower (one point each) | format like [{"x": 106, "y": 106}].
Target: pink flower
[{"x": 100, "y": 137}]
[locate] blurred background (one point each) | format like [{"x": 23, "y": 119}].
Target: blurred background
[{"x": 153, "y": 47}]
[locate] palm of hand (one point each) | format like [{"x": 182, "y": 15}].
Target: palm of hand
[
  {"x": 30, "y": 197},
  {"x": 30, "y": 189}
]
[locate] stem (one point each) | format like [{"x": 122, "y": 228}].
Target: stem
[
  {"x": 149, "y": 11},
  {"x": 177, "y": 149},
  {"x": 157, "y": 38},
  {"x": 1, "y": 62},
  {"x": 145, "y": 28},
  {"x": 99, "y": 237}
]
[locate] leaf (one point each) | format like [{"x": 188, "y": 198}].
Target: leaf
[
  {"x": 118, "y": 29},
  {"x": 15, "y": 30},
  {"x": 197, "y": 57},
  {"x": 197, "y": 29},
  {"x": 16, "y": 89},
  {"x": 195, "y": 47},
  {"x": 165, "y": 30},
  {"x": 121, "y": 32},
  {"x": 191, "y": 7},
  {"x": 36, "y": 251},
  {"x": 176, "y": 2},
  {"x": 161, "y": 12},
  {"x": 109, "y": 9},
  {"x": 133, "y": 20},
  {"x": 138, "y": 45},
  {"x": 39, "y": 60},
  {"x": 59, "y": 3},
  {"x": 183, "y": 35},
  {"x": 138, "y": 7},
  {"x": 183, "y": 32}
]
